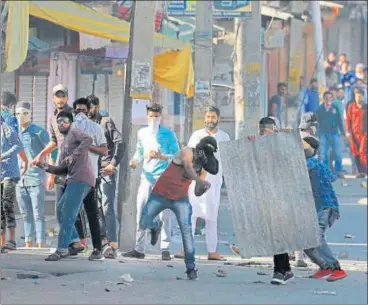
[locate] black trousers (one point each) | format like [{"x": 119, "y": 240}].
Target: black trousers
[
  {"x": 281, "y": 263},
  {"x": 90, "y": 205}
]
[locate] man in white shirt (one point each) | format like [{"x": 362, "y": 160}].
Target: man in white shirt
[
  {"x": 207, "y": 205},
  {"x": 98, "y": 148}
]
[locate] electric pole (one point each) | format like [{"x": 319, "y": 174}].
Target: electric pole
[
  {"x": 138, "y": 83},
  {"x": 203, "y": 61},
  {"x": 318, "y": 43},
  {"x": 247, "y": 72}
]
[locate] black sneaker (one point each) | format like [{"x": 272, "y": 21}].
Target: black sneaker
[
  {"x": 108, "y": 252},
  {"x": 192, "y": 274},
  {"x": 278, "y": 279},
  {"x": 134, "y": 254},
  {"x": 155, "y": 234},
  {"x": 96, "y": 255},
  {"x": 165, "y": 255},
  {"x": 288, "y": 276}
]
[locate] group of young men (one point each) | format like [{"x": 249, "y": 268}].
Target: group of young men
[{"x": 186, "y": 181}]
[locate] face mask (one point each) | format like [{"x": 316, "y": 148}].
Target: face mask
[
  {"x": 80, "y": 116},
  {"x": 211, "y": 125},
  {"x": 23, "y": 119},
  {"x": 154, "y": 123}
]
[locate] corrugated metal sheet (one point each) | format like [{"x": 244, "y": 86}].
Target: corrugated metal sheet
[
  {"x": 25, "y": 93},
  {"x": 85, "y": 82},
  {"x": 39, "y": 112},
  {"x": 268, "y": 187}
]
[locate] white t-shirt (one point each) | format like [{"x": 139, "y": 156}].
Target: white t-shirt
[{"x": 96, "y": 132}]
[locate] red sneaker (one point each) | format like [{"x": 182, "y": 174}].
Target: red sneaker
[
  {"x": 337, "y": 275},
  {"x": 322, "y": 273}
]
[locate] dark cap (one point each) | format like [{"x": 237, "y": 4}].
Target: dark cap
[{"x": 24, "y": 105}]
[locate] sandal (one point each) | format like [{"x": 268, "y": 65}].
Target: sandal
[
  {"x": 10, "y": 245},
  {"x": 56, "y": 256},
  {"x": 73, "y": 251},
  {"x": 3, "y": 250}
]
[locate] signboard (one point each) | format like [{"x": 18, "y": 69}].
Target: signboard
[
  {"x": 221, "y": 9},
  {"x": 274, "y": 39},
  {"x": 95, "y": 65},
  {"x": 141, "y": 87}
]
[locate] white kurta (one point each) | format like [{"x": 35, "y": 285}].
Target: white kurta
[{"x": 207, "y": 205}]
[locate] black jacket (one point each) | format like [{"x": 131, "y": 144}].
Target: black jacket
[{"x": 114, "y": 139}]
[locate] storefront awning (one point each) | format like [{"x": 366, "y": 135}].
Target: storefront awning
[
  {"x": 83, "y": 19},
  {"x": 173, "y": 70}
]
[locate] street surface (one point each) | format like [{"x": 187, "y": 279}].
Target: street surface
[{"x": 79, "y": 281}]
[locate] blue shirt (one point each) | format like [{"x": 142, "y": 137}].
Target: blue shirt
[
  {"x": 313, "y": 100},
  {"x": 10, "y": 147},
  {"x": 34, "y": 139},
  {"x": 9, "y": 119},
  {"x": 165, "y": 140},
  {"x": 321, "y": 180}
]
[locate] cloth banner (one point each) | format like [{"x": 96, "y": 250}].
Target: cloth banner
[{"x": 270, "y": 195}]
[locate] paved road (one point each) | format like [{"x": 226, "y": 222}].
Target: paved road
[{"x": 80, "y": 281}]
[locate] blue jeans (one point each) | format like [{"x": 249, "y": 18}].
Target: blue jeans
[
  {"x": 333, "y": 140},
  {"x": 322, "y": 256},
  {"x": 108, "y": 188},
  {"x": 31, "y": 200},
  {"x": 67, "y": 210},
  {"x": 183, "y": 212}
]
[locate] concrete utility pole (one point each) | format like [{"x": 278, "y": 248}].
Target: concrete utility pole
[
  {"x": 318, "y": 43},
  {"x": 203, "y": 60},
  {"x": 247, "y": 72},
  {"x": 140, "y": 58}
]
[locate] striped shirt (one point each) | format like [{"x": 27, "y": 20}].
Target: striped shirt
[{"x": 10, "y": 147}]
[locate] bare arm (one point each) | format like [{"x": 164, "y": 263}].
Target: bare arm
[
  {"x": 99, "y": 150},
  {"x": 186, "y": 156}
]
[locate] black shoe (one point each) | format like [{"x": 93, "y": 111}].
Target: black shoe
[
  {"x": 108, "y": 252},
  {"x": 278, "y": 279},
  {"x": 192, "y": 274},
  {"x": 96, "y": 255},
  {"x": 288, "y": 276},
  {"x": 155, "y": 234},
  {"x": 134, "y": 254},
  {"x": 165, "y": 255}
]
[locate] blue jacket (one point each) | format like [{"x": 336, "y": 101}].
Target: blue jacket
[
  {"x": 312, "y": 101},
  {"x": 165, "y": 140},
  {"x": 34, "y": 139},
  {"x": 321, "y": 180},
  {"x": 10, "y": 147},
  {"x": 9, "y": 119}
]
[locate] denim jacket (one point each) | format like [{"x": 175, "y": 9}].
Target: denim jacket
[
  {"x": 34, "y": 140},
  {"x": 321, "y": 180}
]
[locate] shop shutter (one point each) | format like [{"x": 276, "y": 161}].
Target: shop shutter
[
  {"x": 85, "y": 82},
  {"x": 100, "y": 90},
  {"x": 116, "y": 99},
  {"x": 8, "y": 81},
  {"x": 39, "y": 107}
]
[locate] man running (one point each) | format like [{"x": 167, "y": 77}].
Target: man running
[{"x": 171, "y": 192}]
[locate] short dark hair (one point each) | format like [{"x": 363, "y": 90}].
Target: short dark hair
[
  {"x": 93, "y": 100},
  {"x": 281, "y": 84},
  {"x": 313, "y": 80},
  {"x": 82, "y": 101},
  {"x": 65, "y": 114},
  {"x": 327, "y": 93},
  {"x": 154, "y": 107},
  {"x": 8, "y": 98},
  {"x": 213, "y": 109},
  {"x": 267, "y": 121},
  {"x": 360, "y": 91}
]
